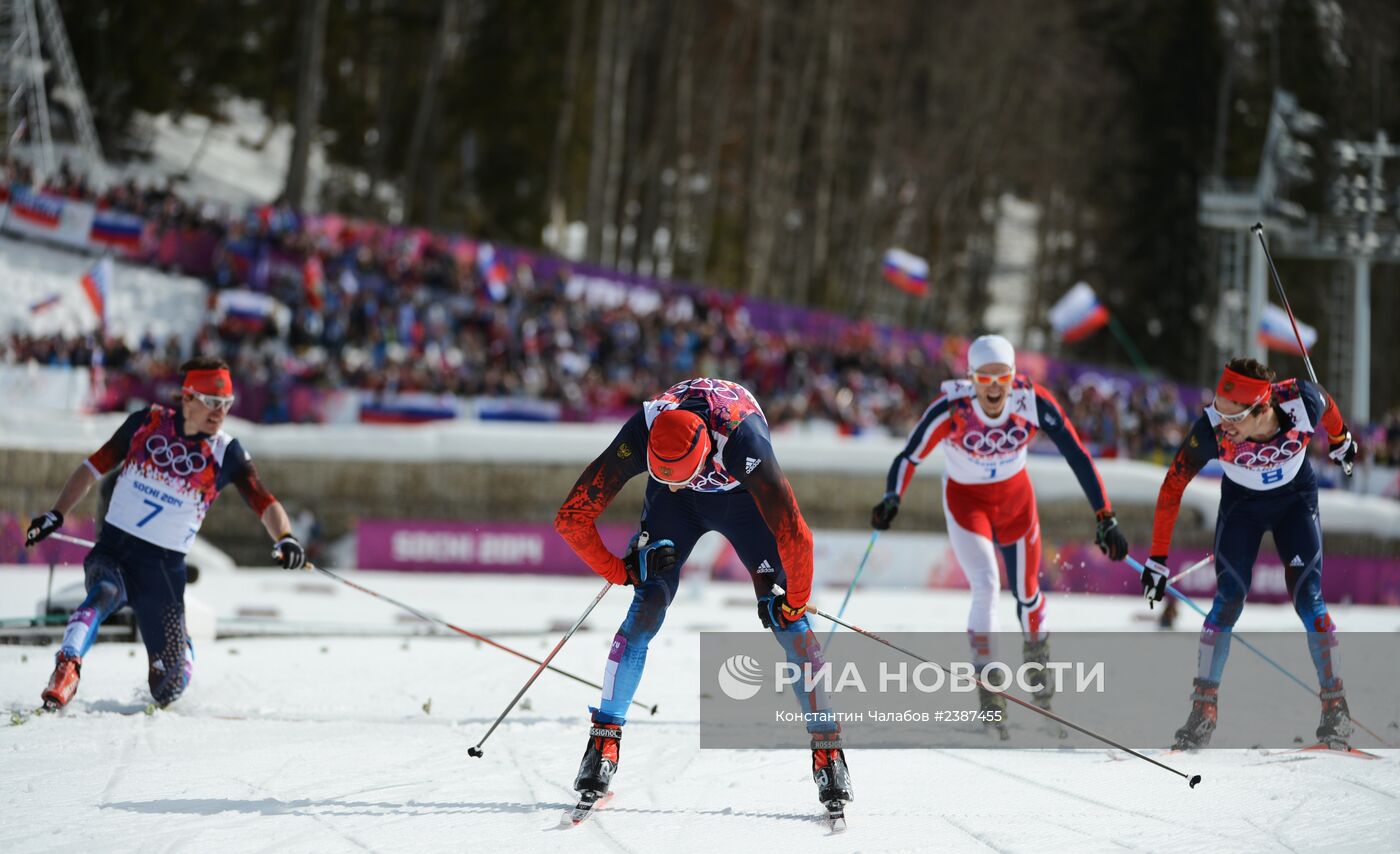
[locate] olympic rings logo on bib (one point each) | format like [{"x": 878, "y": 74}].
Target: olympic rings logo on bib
[
  {"x": 996, "y": 441},
  {"x": 175, "y": 456},
  {"x": 1269, "y": 455}
]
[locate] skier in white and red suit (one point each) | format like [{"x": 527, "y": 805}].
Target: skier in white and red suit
[{"x": 986, "y": 424}]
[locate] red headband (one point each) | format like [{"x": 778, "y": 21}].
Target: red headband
[
  {"x": 215, "y": 382},
  {"x": 1246, "y": 391}
]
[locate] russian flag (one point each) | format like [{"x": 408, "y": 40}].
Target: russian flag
[
  {"x": 494, "y": 271},
  {"x": 47, "y": 302},
  {"x": 243, "y": 307},
  {"x": 113, "y": 228},
  {"x": 408, "y": 409},
  {"x": 37, "y": 209},
  {"x": 97, "y": 284},
  {"x": 1078, "y": 314},
  {"x": 906, "y": 271},
  {"x": 1276, "y": 333}
]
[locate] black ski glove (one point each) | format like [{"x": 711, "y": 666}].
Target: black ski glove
[
  {"x": 41, "y": 526},
  {"x": 882, "y": 514},
  {"x": 645, "y": 559},
  {"x": 1109, "y": 537},
  {"x": 1154, "y": 580},
  {"x": 290, "y": 553}
]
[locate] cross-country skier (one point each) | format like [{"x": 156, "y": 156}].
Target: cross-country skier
[
  {"x": 1259, "y": 430},
  {"x": 173, "y": 464},
  {"x": 705, "y": 444},
  {"x": 986, "y": 423}
]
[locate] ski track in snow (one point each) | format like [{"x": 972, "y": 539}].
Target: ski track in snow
[{"x": 323, "y": 745}]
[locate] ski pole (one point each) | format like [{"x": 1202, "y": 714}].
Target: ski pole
[
  {"x": 461, "y": 631},
  {"x": 1191, "y": 779},
  {"x": 77, "y": 541},
  {"x": 476, "y": 751},
  {"x": 1192, "y": 568},
  {"x": 1258, "y": 229},
  {"x": 841, "y": 612},
  {"x": 1133, "y": 563}
]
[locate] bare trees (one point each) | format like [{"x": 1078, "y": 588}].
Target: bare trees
[{"x": 780, "y": 146}]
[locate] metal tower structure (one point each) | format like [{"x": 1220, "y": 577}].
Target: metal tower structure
[
  {"x": 1355, "y": 233},
  {"x": 27, "y": 29}
]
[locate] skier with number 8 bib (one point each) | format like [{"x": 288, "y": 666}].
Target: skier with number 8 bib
[
  {"x": 173, "y": 464},
  {"x": 1259, "y": 430},
  {"x": 705, "y": 445},
  {"x": 986, "y": 424}
]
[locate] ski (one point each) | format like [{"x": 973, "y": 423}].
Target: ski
[
  {"x": 1322, "y": 748},
  {"x": 587, "y": 803},
  {"x": 835, "y": 816},
  {"x": 20, "y": 716}
]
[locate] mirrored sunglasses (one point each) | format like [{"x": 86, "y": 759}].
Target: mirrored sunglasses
[{"x": 988, "y": 379}]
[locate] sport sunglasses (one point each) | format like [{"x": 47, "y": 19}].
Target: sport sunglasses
[
  {"x": 1238, "y": 416},
  {"x": 212, "y": 401},
  {"x": 988, "y": 379}
]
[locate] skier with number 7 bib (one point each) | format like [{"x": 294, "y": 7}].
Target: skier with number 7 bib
[
  {"x": 174, "y": 462},
  {"x": 705, "y": 445},
  {"x": 986, "y": 424}
]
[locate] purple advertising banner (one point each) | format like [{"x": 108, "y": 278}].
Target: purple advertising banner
[
  {"x": 1346, "y": 579},
  {"x": 12, "y": 548},
  {"x": 410, "y": 545}
]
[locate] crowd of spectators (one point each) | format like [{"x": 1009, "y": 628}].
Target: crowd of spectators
[{"x": 392, "y": 311}]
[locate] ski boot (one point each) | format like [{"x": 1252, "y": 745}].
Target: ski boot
[
  {"x": 63, "y": 684},
  {"x": 1196, "y": 732},
  {"x": 1335, "y": 727},
  {"x": 599, "y": 760},
  {"x": 1043, "y": 688},
  {"x": 833, "y": 779},
  {"x": 1040, "y": 683},
  {"x": 991, "y": 708}
]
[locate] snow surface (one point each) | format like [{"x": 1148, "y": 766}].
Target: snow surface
[
  {"x": 221, "y": 160},
  {"x": 359, "y": 743}
]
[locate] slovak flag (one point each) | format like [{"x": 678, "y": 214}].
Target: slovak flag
[
  {"x": 1276, "y": 333},
  {"x": 906, "y": 271},
  {"x": 1078, "y": 314},
  {"x": 97, "y": 284}
]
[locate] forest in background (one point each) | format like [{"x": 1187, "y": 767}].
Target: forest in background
[{"x": 778, "y": 148}]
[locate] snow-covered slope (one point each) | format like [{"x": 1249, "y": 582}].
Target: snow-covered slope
[{"x": 339, "y": 744}]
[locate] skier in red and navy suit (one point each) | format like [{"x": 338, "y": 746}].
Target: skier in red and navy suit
[
  {"x": 986, "y": 424},
  {"x": 704, "y": 442},
  {"x": 1259, "y": 430},
  {"x": 173, "y": 464}
]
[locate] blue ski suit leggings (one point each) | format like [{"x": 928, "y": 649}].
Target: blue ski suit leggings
[
  {"x": 683, "y": 517},
  {"x": 124, "y": 569},
  {"x": 1244, "y": 516}
]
